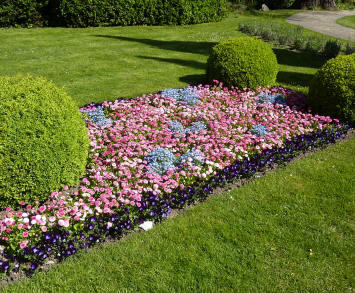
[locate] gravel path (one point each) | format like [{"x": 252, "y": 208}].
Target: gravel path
[{"x": 325, "y": 22}]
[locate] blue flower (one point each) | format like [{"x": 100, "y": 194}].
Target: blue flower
[
  {"x": 98, "y": 116},
  {"x": 194, "y": 156},
  {"x": 197, "y": 127},
  {"x": 176, "y": 126},
  {"x": 160, "y": 160},
  {"x": 259, "y": 130},
  {"x": 268, "y": 98},
  {"x": 186, "y": 95}
]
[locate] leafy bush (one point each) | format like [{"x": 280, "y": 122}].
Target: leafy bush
[
  {"x": 43, "y": 140},
  {"x": 314, "y": 45},
  {"x": 350, "y": 49},
  {"x": 272, "y": 4},
  {"x": 83, "y": 13},
  {"x": 21, "y": 12},
  {"x": 244, "y": 62},
  {"x": 332, "y": 89},
  {"x": 332, "y": 48},
  {"x": 294, "y": 36}
]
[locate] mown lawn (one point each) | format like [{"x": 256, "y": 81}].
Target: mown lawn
[
  {"x": 289, "y": 231},
  {"x": 98, "y": 64},
  {"x": 348, "y": 21}
]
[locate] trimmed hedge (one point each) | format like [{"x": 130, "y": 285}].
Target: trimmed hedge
[
  {"x": 43, "y": 140},
  {"x": 21, "y": 12},
  {"x": 243, "y": 62},
  {"x": 332, "y": 90},
  {"x": 84, "y": 13}
]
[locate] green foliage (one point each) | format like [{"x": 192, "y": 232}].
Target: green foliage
[
  {"x": 332, "y": 48},
  {"x": 43, "y": 140},
  {"x": 272, "y": 4},
  {"x": 293, "y": 36},
  {"x": 84, "y": 13},
  {"x": 350, "y": 48},
  {"x": 21, "y": 12},
  {"x": 332, "y": 90},
  {"x": 243, "y": 62}
]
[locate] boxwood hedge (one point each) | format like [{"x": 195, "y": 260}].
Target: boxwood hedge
[
  {"x": 243, "y": 62},
  {"x": 84, "y": 13},
  {"x": 43, "y": 140},
  {"x": 332, "y": 90}
]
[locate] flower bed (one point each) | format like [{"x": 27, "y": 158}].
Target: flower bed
[{"x": 158, "y": 152}]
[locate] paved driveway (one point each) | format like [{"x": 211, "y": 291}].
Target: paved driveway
[{"x": 325, "y": 22}]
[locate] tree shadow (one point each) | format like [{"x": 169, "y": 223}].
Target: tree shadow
[
  {"x": 202, "y": 48},
  {"x": 300, "y": 59},
  {"x": 295, "y": 78},
  {"x": 194, "y": 79},
  {"x": 186, "y": 63}
]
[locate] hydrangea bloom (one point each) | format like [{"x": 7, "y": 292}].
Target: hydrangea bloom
[
  {"x": 160, "y": 160},
  {"x": 197, "y": 127},
  {"x": 259, "y": 130},
  {"x": 97, "y": 115},
  {"x": 195, "y": 157},
  {"x": 187, "y": 95}
]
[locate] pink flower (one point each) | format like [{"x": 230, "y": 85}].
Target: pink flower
[
  {"x": 23, "y": 244},
  {"x": 25, "y": 234},
  {"x": 44, "y": 228},
  {"x": 42, "y": 209}
]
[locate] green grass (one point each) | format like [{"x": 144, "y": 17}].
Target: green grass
[
  {"x": 348, "y": 21},
  {"x": 291, "y": 230},
  {"x": 97, "y": 64}
]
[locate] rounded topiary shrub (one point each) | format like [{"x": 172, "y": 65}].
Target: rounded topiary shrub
[
  {"x": 244, "y": 62},
  {"x": 43, "y": 140},
  {"x": 332, "y": 89}
]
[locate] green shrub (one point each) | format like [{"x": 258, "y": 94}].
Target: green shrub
[
  {"x": 243, "y": 62},
  {"x": 293, "y": 36},
  {"x": 21, "y": 12},
  {"x": 332, "y": 89},
  {"x": 43, "y": 140},
  {"x": 349, "y": 49},
  {"x": 84, "y": 13},
  {"x": 332, "y": 48},
  {"x": 314, "y": 45}
]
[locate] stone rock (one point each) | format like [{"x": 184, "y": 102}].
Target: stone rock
[
  {"x": 264, "y": 7},
  {"x": 147, "y": 225}
]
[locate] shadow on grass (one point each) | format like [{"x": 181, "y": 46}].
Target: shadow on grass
[
  {"x": 186, "y": 63},
  {"x": 194, "y": 79},
  {"x": 294, "y": 78},
  {"x": 202, "y": 48},
  {"x": 300, "y": 59}
]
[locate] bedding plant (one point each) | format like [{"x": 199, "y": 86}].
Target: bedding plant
[{"x": 157, "y": 152}]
